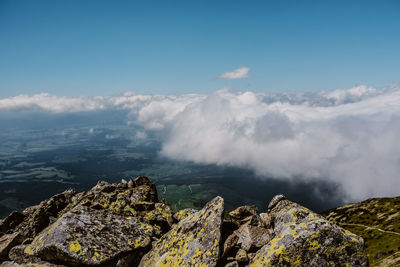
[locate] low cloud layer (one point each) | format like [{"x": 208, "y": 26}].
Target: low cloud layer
[
  {"x": 239, "y": 73},
  {"x": 348, "y": 137}
]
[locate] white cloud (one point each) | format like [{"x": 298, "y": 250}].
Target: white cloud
[
  {"x": 59, "y": 104},
  {"x": 354, "y": 144},
  {"x": 239, "y": 73},
  {"x": 348, "y": 137}
]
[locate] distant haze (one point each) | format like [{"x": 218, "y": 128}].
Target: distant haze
[{"x": 346, "y": 137}]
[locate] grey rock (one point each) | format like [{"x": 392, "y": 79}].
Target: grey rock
[
  {"x": 275, "y": 201},
  {"x": 304, "y": 238},
  {"x": 194, "y": 241},
  {"x": 250, "y": 236}
]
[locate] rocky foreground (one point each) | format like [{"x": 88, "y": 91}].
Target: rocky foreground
[{"x": 125, "y": 225}]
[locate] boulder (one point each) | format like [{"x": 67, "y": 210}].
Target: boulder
[
  {"x": 250, "y": 236},
  {"x": 194, "y": 241},
  {"x": 39, "y": 217},
  {"x": 29, "y": 264},
  {"x": 230, "y": 244},
  {"x": 87, "y": 236},
  {"x": 7, "y": 241},
  {"x": 104, "y": 227},
  {"x": 232, "y": 264},
  {"x": 304, "y": 238},
  {"x": 266, "y": 218},
  {"x": 241, "y": 256},
  {"x": 11, "y": 221},
  {"x": 246, "y": 215},
  {"x": 161, "y": 215},
  {"x": 183, "y": 214}
]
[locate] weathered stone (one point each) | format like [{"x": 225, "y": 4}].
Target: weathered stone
[
  {"x": 131, "y": 259},
  {"x": 183, "y": 214},
  {"x": 11, "y": 221},
  {"x": 140, "y": 194},
  {"x": 251, "y": 255},
  {"x": 246, "y": 215},
  {"x": 275, "y": 201},
  {"x": 266, "y": 218},
  {"x": 229, "y": 244},
  {"x": 241, "y": 256},
  {"x": 131, "y": 184},
  {"x": 88, "y": 236},
  {"x": 161, "y": 215},
  {"x": 7, "y": 241},
  {"x": 250, "y": 236},
  {"x": 193, "y": 241},
  {"x": 152, "y": 193},
  {"x": 39, "y": 217},
  {"x": 232, "y": 264},
  {"x": 29, "y": 264},
  {"x": 304, "y": 238},
  {"x": 18, "y": 255}
]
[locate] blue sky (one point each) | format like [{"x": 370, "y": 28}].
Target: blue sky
[{"x": 77, "y": 48}]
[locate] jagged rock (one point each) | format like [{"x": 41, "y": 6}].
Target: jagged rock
[
  {"x": 183, "y": 214},
  {"x": 11, "y": 221},
  {"x": 229, "y": 244},
  {"x": 241, "y": 256},
  {"x": 152, "y": 193},
  {"x": 304, "y": 238},
  {"x": 7, "y": 241},
  {"x": 88, "y": 236},
  {"x": 232, "y": 264},
  {"x": 39, "y": 217},
  {"x": 104, "y": 227},
  {"x": 131, "y": 184},
  {"x": 266, "y": 218},
  {"x": 246, "y": 215},
  {"x": 275, "y": 201},
  {"x": 160, "y": 215},
  {"x": 251, "y": 255},
  {"x": 250, "y": 236},
  {"x": 34, "y": 219},
  {"x": 18, "y": 255},
  {"x": 193, "y": 241},
  {"x": 29, "y": 264}
]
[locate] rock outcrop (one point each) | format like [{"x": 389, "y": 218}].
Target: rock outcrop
[
  {"x": 124, "y": 224},
  {"x": 304, "y": 238},
  {"x": 194, "y": 241}
]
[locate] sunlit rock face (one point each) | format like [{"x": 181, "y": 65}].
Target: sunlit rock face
[
  {"x": 124, "y": 224},
  {"x": 194, "y": 241},
  {"x": 305, "y": 238}
]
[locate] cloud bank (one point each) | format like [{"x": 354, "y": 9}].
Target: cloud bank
[
  {"x": 239, "y": 73},
  {"x": 348, "y": 137}
]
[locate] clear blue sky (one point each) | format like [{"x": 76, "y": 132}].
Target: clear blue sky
[{"x": 107, "y": 47}]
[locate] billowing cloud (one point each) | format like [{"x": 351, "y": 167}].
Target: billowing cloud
[
  {"x": 239, "y": 73},
  {"x": 348, "y": 137}
]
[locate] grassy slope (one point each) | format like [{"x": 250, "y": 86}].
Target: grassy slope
[{"x": 377, "y": 220}]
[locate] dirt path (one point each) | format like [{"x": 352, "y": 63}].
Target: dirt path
[{"x": 371, "y": 227}]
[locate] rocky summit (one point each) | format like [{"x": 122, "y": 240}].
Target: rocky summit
[{"x": 125, "y": 224}]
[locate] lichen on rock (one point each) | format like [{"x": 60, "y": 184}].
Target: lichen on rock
[
  {"x": 194, "y": 241},
  {"x": 304, "y": 238}
]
